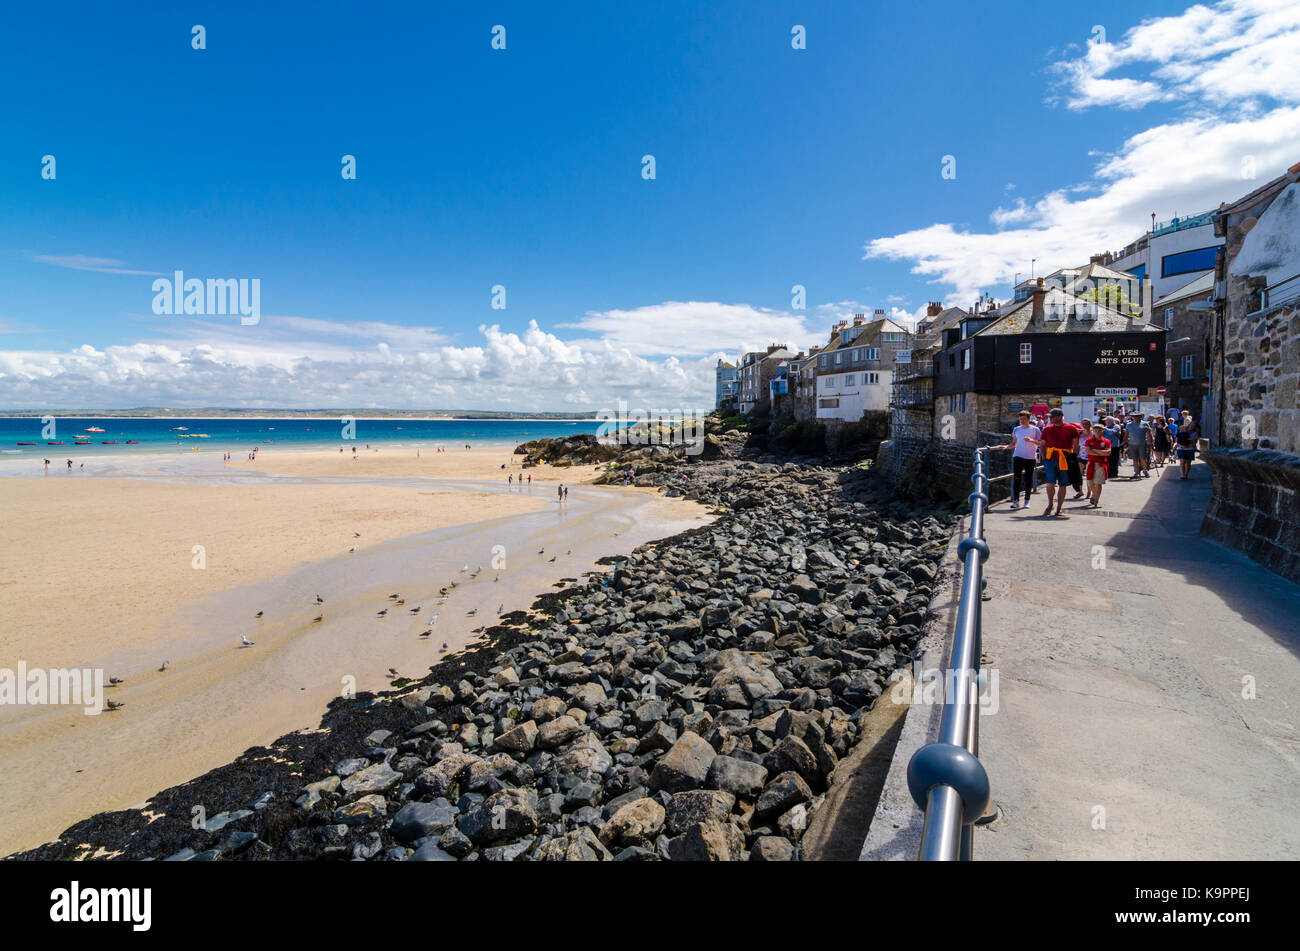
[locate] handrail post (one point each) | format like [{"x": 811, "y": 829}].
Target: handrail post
[{"x": 946, "y": 778}]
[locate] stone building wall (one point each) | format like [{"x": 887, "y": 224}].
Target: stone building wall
[
  {"x": 1255, "y": 504},
  {"x": 1261, "y": 354}
]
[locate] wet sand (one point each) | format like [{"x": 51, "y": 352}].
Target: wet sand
[{"x": 96, "y": 570}]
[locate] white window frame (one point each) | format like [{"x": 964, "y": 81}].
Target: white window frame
[
  {"x": 965, "y": 359},
  {"x": 1186, "y": 366},
  {"x": 1026, "y": 353},
  {"x": 873, "y": 378},
  {"x": 848, "y": 379},
  {"x": 1169, "y": 318}
]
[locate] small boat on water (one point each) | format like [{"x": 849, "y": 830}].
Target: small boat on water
[
  {"x": 92, "y": 429},
  {"x": 27, "y": 444},
  {"x": 59, "y": 443},
  {"x": 80, "y": 443},
  {"x": 180, "y": 429},
  {"x": 133, "y": 442},
  {"x": 108, "y": 442}
]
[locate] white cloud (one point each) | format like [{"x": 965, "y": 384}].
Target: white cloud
[
  {"x": 1234, "y": 67},
  {"x": 82, "y": 262},
  {"x": 276, "y": 365}
]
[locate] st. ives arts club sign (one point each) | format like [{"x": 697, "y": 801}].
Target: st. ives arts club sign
[{"x": 1121, "y": 356}]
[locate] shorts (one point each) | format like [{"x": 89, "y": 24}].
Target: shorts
[
  {"x": 1098, "y": 476},
  {"x": 1186, "y": 453},
  {"x": 1137, "y": 452},
  {"x": 1053, "y": 473}
]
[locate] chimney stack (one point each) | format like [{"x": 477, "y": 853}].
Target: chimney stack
[
  {"x": 1039, "y": 294},
  {"x": 879, "y": 314},
  {"x": 933, "y": 309}
]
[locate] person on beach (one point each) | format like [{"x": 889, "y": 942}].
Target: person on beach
[
  {"x": 69, "y": 465},
  {"x": 1025, "y": 440},
  {"x": 1098, "y": 448},
  {"x": 1060, "y": 440},
  {"x": 559, "y": 492},
  {"x": 530, "y": 479},
  {"x": 1138, "y": 434},
  {"x": 47, "y": 467},
  {"x": 566, "y": 493},
  {"x": 1185, "y": 442}
]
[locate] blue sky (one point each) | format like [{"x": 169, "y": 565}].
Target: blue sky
[{"x": 522, "y": 168}]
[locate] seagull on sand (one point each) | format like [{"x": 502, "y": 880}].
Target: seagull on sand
[
  {"x": 244, "y": 641},
  {"x": 392, "y": 671},
  {"x": 496, "y": 580},
  {"x": 114, "y": 681},
  {"x": 466, "y": 568},
  {"x": 399, "y": 601},
  {"x": 112, "y": 705},
  {"x": 541, "y": 551},
  {"x": 433, "y": 619},
  {"x": 351, "y": 551},
  {"x": 415, "y": 610},
  {"x": 318, "y": 618},
  {"x": 426, "y": 633},
  {"x": 164, "y": 666},
  {"x": 356, "y": 534},
  {"x": 258, "y": 614},
  {"x": 551, "y": 560},
  {"x": 569, "y": 552},
  {"x": 394, "y": 596},
  {"x": 319, "y": 599},
  {"x": 471, "y": 613},
  {"x": 382, "y": 613},
  {"x": 444, "y": 646},
  {"x": 499, "y": 608}
]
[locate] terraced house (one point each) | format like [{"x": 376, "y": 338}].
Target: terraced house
[
  {"x": 855, "y": 371},
  {"x": 757, "y": 368}
]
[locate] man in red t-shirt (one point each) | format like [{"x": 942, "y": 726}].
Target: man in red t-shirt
[
  {"x": 1097, "y": 447},
  {"x": 1059, "y": 440}
]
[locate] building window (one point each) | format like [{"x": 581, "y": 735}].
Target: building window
[
  {"x": 873, "y": 378},
  {"x": 823, "y": 362},
  {"x": 903, "y": 356},
  {"x": 1187, "y": 367},
  {"x": 873, "y": 353},
  {"x": 1026, "y": 353},
  {"x": 1185, "y": 262},
  {"x": 839, "y": 357},
  {"x": 952, "y": 403},
  {"x": 828, "y": 404},
  {"x": 848, "y": 379},
  {"x": 1169, "y": 318},
  {"x": 965, "y": 359},
  {"x": 963, "y": 403}
]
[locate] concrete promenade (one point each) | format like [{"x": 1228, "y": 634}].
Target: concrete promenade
[{"x": 1148, "y": 688}]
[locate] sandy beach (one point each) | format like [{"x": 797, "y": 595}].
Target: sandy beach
[{"x": 97, "y": 569}]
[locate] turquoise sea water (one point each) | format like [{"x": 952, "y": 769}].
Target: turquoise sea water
[{"x": 130, "y": 435}]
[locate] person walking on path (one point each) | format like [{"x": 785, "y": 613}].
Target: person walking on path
[
  {"x": 1098, "y": 448},
  {"x": 1060, "y": 439},
  {"x": 1161, "y": 442},
  {"x": 1025, "y": 440},
  {"x": 1139, "y": 445},
  {"x": 1186, "y": 443},
  {"x": 1072, "y": 460},
  {"x": 1115, "y": 433}
]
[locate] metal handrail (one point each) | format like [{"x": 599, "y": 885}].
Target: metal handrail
[{"x": 946, "y": 778}]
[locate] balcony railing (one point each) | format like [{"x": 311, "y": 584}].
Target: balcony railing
[{"x": 1281, "y": 293}]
